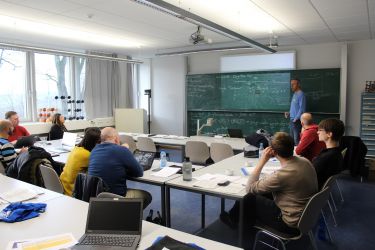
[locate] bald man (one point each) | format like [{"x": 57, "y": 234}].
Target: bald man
[
  {"x": 114, "y": 163},
  {"x": 309, "y": 145}
]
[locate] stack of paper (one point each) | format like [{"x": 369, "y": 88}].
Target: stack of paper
[
  {"x": 166, "y": 172},
  {"x": 19, "y": 194},
  {"x": 62, "y": 241}
]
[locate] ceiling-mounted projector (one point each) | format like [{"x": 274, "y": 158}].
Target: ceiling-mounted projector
[{"x": 198, "y": 38}]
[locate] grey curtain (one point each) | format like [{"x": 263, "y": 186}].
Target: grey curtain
[{"x": 108, "y": 86}]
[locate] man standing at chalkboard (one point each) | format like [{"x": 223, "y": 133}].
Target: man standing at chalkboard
[{"x": 297, "y": 108}]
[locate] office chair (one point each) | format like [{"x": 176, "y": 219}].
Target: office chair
[
  {"x": 197, "y": 151},
  {"x": 220, "y": 151},
  {"x": 130, "y": 141},
  {"x": 146, "y": 144},
  {"x": 305, "y": 225},
  {"x": 51, "y": 179},
  {"x": 109, "y": 195}
]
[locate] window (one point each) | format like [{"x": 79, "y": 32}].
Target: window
[
  {"x": 13, "y": 82},
  {"x": 80, "y": 74},
  {"x": 53, "y": 85},
  {"x": 37, "y": 85}
]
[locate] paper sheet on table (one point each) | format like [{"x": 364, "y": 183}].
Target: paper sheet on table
[
  {"x": 166, "y": 172},
  {"x": 55, "y": 242},
  {"x": 217, "y": 177},
  {"x": 231, "y": 189},
  {"x": 242, "y": 181},
  {"x": 19, "y": 194},
  {"x": 206, "y": 184}
]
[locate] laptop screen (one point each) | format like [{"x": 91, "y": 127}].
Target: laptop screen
[
  {"x": 113, "y": 215},
  {"x": 69, "y": 139},
  {"x": 144, "y": 158}
]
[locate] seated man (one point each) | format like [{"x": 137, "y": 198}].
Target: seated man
[
  {"x": 18, "y": 130},
  {"x": 329, "y": 162},
  {"x": 278, "y": 199},
  {"x": 7, "y": 152},
  {"x": 114, "y": 163},
  {"x": 309, "y": 145}
]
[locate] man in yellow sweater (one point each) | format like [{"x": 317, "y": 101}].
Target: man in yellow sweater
[{"x": 78, "y": 160}]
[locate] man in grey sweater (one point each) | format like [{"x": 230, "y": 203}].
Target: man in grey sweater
[{"x": 278, "y": 199}]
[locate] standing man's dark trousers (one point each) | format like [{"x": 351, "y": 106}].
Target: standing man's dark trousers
[{"x": 295, "y": 130}]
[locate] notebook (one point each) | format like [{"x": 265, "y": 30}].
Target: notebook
[
  {"x": 144, "y": 158},
  {"x": 112, "y": 223},
  {"x": 67, "y": 143}
]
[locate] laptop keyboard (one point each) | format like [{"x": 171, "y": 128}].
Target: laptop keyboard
[{"x": 122, "y": 241}]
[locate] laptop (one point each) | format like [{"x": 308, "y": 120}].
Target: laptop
[
  {"x": 235, "y": 133},
  {"x": 67, "y": 143},
  {"x": 144, "y": 158},
  {"x": 112, "y": 223},
  {"x": 26, "y": 141}
]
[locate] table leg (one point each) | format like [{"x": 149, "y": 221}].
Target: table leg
[
  {"x": 163, "y": 201},
  {"x": 241, "y": 224},
  {"x": 203, "y": 212},
  {"x": 222, "y": 205},
  {"x": 167, "y": 206}
]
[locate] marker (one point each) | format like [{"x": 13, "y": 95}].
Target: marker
[{"x": 244, "y": 172}]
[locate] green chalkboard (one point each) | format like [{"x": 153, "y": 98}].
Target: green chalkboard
[
  {"x": 253, "y": 100},
  {"x": 239, "y": 91},
  {"x": 322, "y": 89},
  {"x": 249, "y": 122}
]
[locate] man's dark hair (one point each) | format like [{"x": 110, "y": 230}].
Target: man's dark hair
[
  {"x": 335, "y": 126},
  {"x": 10, "y": 114},
  {"x": 296, "y": 79},
  {"x": 283, "y": 144},
  {"x": 90, "y": 139}
]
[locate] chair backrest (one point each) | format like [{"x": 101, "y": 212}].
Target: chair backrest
[
  {"x": 329, "y": 182},
  {"x": 51, "y": 179},
  {"x": 130, "y": 141},
  {"x": 197, "y": 151},
  {"x": 146, "y": 144},
  {"x": 2, "y": 168},
  {"x": 220, "y": 151},
  {"x": 109, "y": 195},
  {"x": 343, "y": 152},
  {"x": 87, "y": 186},
  {"x": 312, "y": 210}
]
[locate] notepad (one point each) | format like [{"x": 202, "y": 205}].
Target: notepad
[
  {"x": 166, "y": 172},
  {"x": 19, "y": 194}
]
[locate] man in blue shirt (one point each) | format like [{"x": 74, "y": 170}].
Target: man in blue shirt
[
  {"x": 114, "y": 163},
  {"x": 297, "y": 108}
]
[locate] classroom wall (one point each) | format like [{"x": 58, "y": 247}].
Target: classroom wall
[
  {"x": 168, "y": 95},
  {"x": 361, "y": 67}
]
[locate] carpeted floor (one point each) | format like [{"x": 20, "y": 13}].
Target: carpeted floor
[{"x": 355, "y": 216}]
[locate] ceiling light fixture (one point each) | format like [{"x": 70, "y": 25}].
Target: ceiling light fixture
[
  {"x": 59, "y": 31},
  {"x": 198, "y": 20},
  {"x": 187, "y": 52}
]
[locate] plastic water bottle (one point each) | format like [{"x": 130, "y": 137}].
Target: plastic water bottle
[
  {"x": 163, "y": 159},
  {"x": 187, "y": 170},
  {"x": 260, "y": 150}
]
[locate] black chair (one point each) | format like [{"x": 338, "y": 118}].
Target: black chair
[{"x": 305, "y": 225}]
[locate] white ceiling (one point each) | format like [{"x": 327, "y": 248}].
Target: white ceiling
[{"x": 298, "y": 22}]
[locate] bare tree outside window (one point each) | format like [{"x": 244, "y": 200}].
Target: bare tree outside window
[{"x": 13, "y": 82}]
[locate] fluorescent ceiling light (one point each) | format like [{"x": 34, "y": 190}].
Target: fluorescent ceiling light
[
  {"x": 187, "y": 52},
  {"x": 196, "y": 19},
  {"x": 33, "y": 27}
]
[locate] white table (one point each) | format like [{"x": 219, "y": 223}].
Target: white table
[
  {"x": 233, "y": 163},
  {"x": 8, "y": 183},
  {"x": 235, "y": 143},
  {"x": 68, "y": 215}
]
